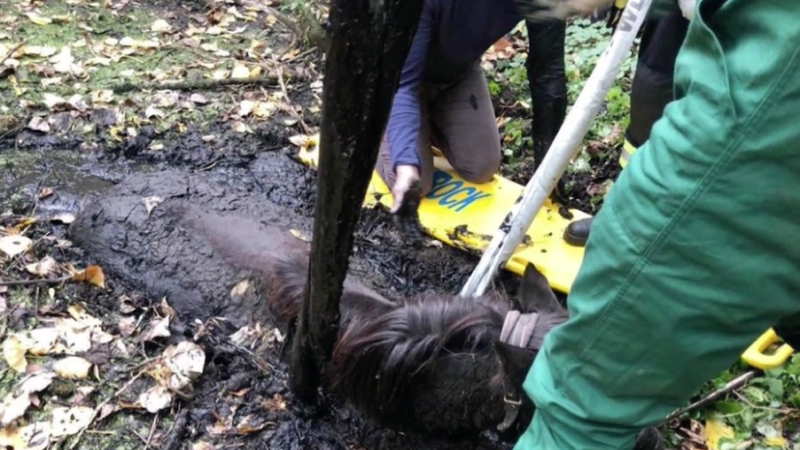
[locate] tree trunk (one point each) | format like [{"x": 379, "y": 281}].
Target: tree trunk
[{"x": 369, "y": 42}]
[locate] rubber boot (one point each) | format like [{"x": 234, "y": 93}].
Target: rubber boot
[
  {"x": 577, "y": 232},
  {"x": 649, "y": 439}
]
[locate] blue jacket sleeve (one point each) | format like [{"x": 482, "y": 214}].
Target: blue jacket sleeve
[{"x": 404, "y": 119}]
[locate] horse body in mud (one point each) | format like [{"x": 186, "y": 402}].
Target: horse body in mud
[{"x": 433, "y": 364}]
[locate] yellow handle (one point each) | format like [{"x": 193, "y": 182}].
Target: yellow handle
[{"x": 755, "y": 356}]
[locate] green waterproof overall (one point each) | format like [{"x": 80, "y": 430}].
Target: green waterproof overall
[{"x": 695, "y": 252}]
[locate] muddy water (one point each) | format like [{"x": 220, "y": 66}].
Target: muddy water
[{"x": 161, "y": 259}]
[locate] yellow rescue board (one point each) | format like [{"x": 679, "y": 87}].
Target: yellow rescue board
[{"x": 466, "y": 215}]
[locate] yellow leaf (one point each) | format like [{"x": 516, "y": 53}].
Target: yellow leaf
[
  {"x": 775, "y": 441},
  {"x": 263, "y": 109},
  {"x": 714, "y": 431},
  {"x": 14, "y": 353},
  {"x": 37, "y": 19}
]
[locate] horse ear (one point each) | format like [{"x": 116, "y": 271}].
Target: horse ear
[
  {"x": 516, "y": 361},
  {"x": 535, "y": 293}
]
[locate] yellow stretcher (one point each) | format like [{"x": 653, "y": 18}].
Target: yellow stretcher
[{"x": 466, "y": 215}]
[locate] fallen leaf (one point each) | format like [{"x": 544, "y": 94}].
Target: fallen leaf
[
  {"x": 39, "y": 341},
  {"x": 65, "y": 218},
  {"x": 200, "y": 99},
  {"x": 245, "y": 336},
  {"x": 155, "y": 399},
  {"x": 53, "y": 100},
  {"x": 72, "y": 368},
  {"x": 240, "y": 127},
  {"x": 42, "y": 268},
  {"x": 34, "y": 436},
  {"x": 299, "y": 235},
  {"x": 156, "y": 328},
  {"x": 153, "y": 111},
  {"x": 14, "y": 353},
  {"x": 45, "y": 192},
  {"x": 18, "y": 400},
  {"x": 68, "y": 421},
  {"x": 151, "y": 202},
  {"x": 240, "y": 288},
  {"x": 37, "y": 19},
  {"x": 202, "y": 445},
  {"x": 103, "y": 96},
  {"x": 139, "y": 44},
  {"x": 246, "y": 107},
  {"x": 92, "y": 275},
  {"x": 76, "y": 102},
  {"x": 160, "y": 26},
  {"x": 39, "y": 124},
  {"x": 185, "y": 362},
  {"x": 13, "y": 245},
  {"x": 127, "y": 326},
  {"x": 276, "y": 403},
  {"x": 126, "y": 305},
  {"x": 303, "y": 141}
]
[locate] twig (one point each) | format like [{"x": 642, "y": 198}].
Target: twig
[
  {"x": 35, "y": 281},
  {"x": 175, "y": 435},
  {"x": 730, "y": 386},
  {"x": 763, "y": 408},
  {"x": 301, "y": 55},
  {"x": 198, "y": 85},
  {"x": 11, "y": 52},
  {"x": 152, "y": 432},
  {"x": 102, "y": 405},
  {"x": 292, "y": 110}
]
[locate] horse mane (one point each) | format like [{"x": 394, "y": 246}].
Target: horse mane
[{"x": 377, "y": 357}]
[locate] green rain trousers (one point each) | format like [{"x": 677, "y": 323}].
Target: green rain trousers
[{"x": 695, "y": 252}]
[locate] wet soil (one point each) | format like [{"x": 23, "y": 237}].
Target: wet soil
[{"x": 249, "y": 179}]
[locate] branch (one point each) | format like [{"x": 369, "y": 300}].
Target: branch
[{"x": 197, "y": 85}]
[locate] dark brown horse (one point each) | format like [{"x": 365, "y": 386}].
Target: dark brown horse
[{"x": 437, "y": 364}]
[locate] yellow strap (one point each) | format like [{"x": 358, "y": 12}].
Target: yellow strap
[
  {"x": 625, "y": 155},
  {"x": 620, "y": 3}
]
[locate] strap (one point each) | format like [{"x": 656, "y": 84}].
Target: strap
[{"x": 517, "y": 331}]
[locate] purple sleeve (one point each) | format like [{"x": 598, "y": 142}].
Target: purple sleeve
[{"x": 404, "y": 119}]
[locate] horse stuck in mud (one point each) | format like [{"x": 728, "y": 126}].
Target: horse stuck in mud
[{"x": 436, "y": 365}]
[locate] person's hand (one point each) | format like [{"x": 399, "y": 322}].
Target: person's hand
[
  {"x": 405, "y": 178},
  {"x": 406, "y": 194}
]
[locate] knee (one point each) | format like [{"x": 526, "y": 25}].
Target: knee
[{"x": 484, "y": 169}]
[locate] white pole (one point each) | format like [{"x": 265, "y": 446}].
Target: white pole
[{"x": 564, "y": 148}]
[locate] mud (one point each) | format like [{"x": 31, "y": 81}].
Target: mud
[{"x": 148, "y": 252}]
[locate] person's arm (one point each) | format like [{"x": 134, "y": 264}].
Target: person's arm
[
  {"x": 404, "y": 120},
  {"x": 547, "y": 81}
]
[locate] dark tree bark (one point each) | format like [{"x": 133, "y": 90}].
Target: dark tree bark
[{"x": 369, "y": 41}]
